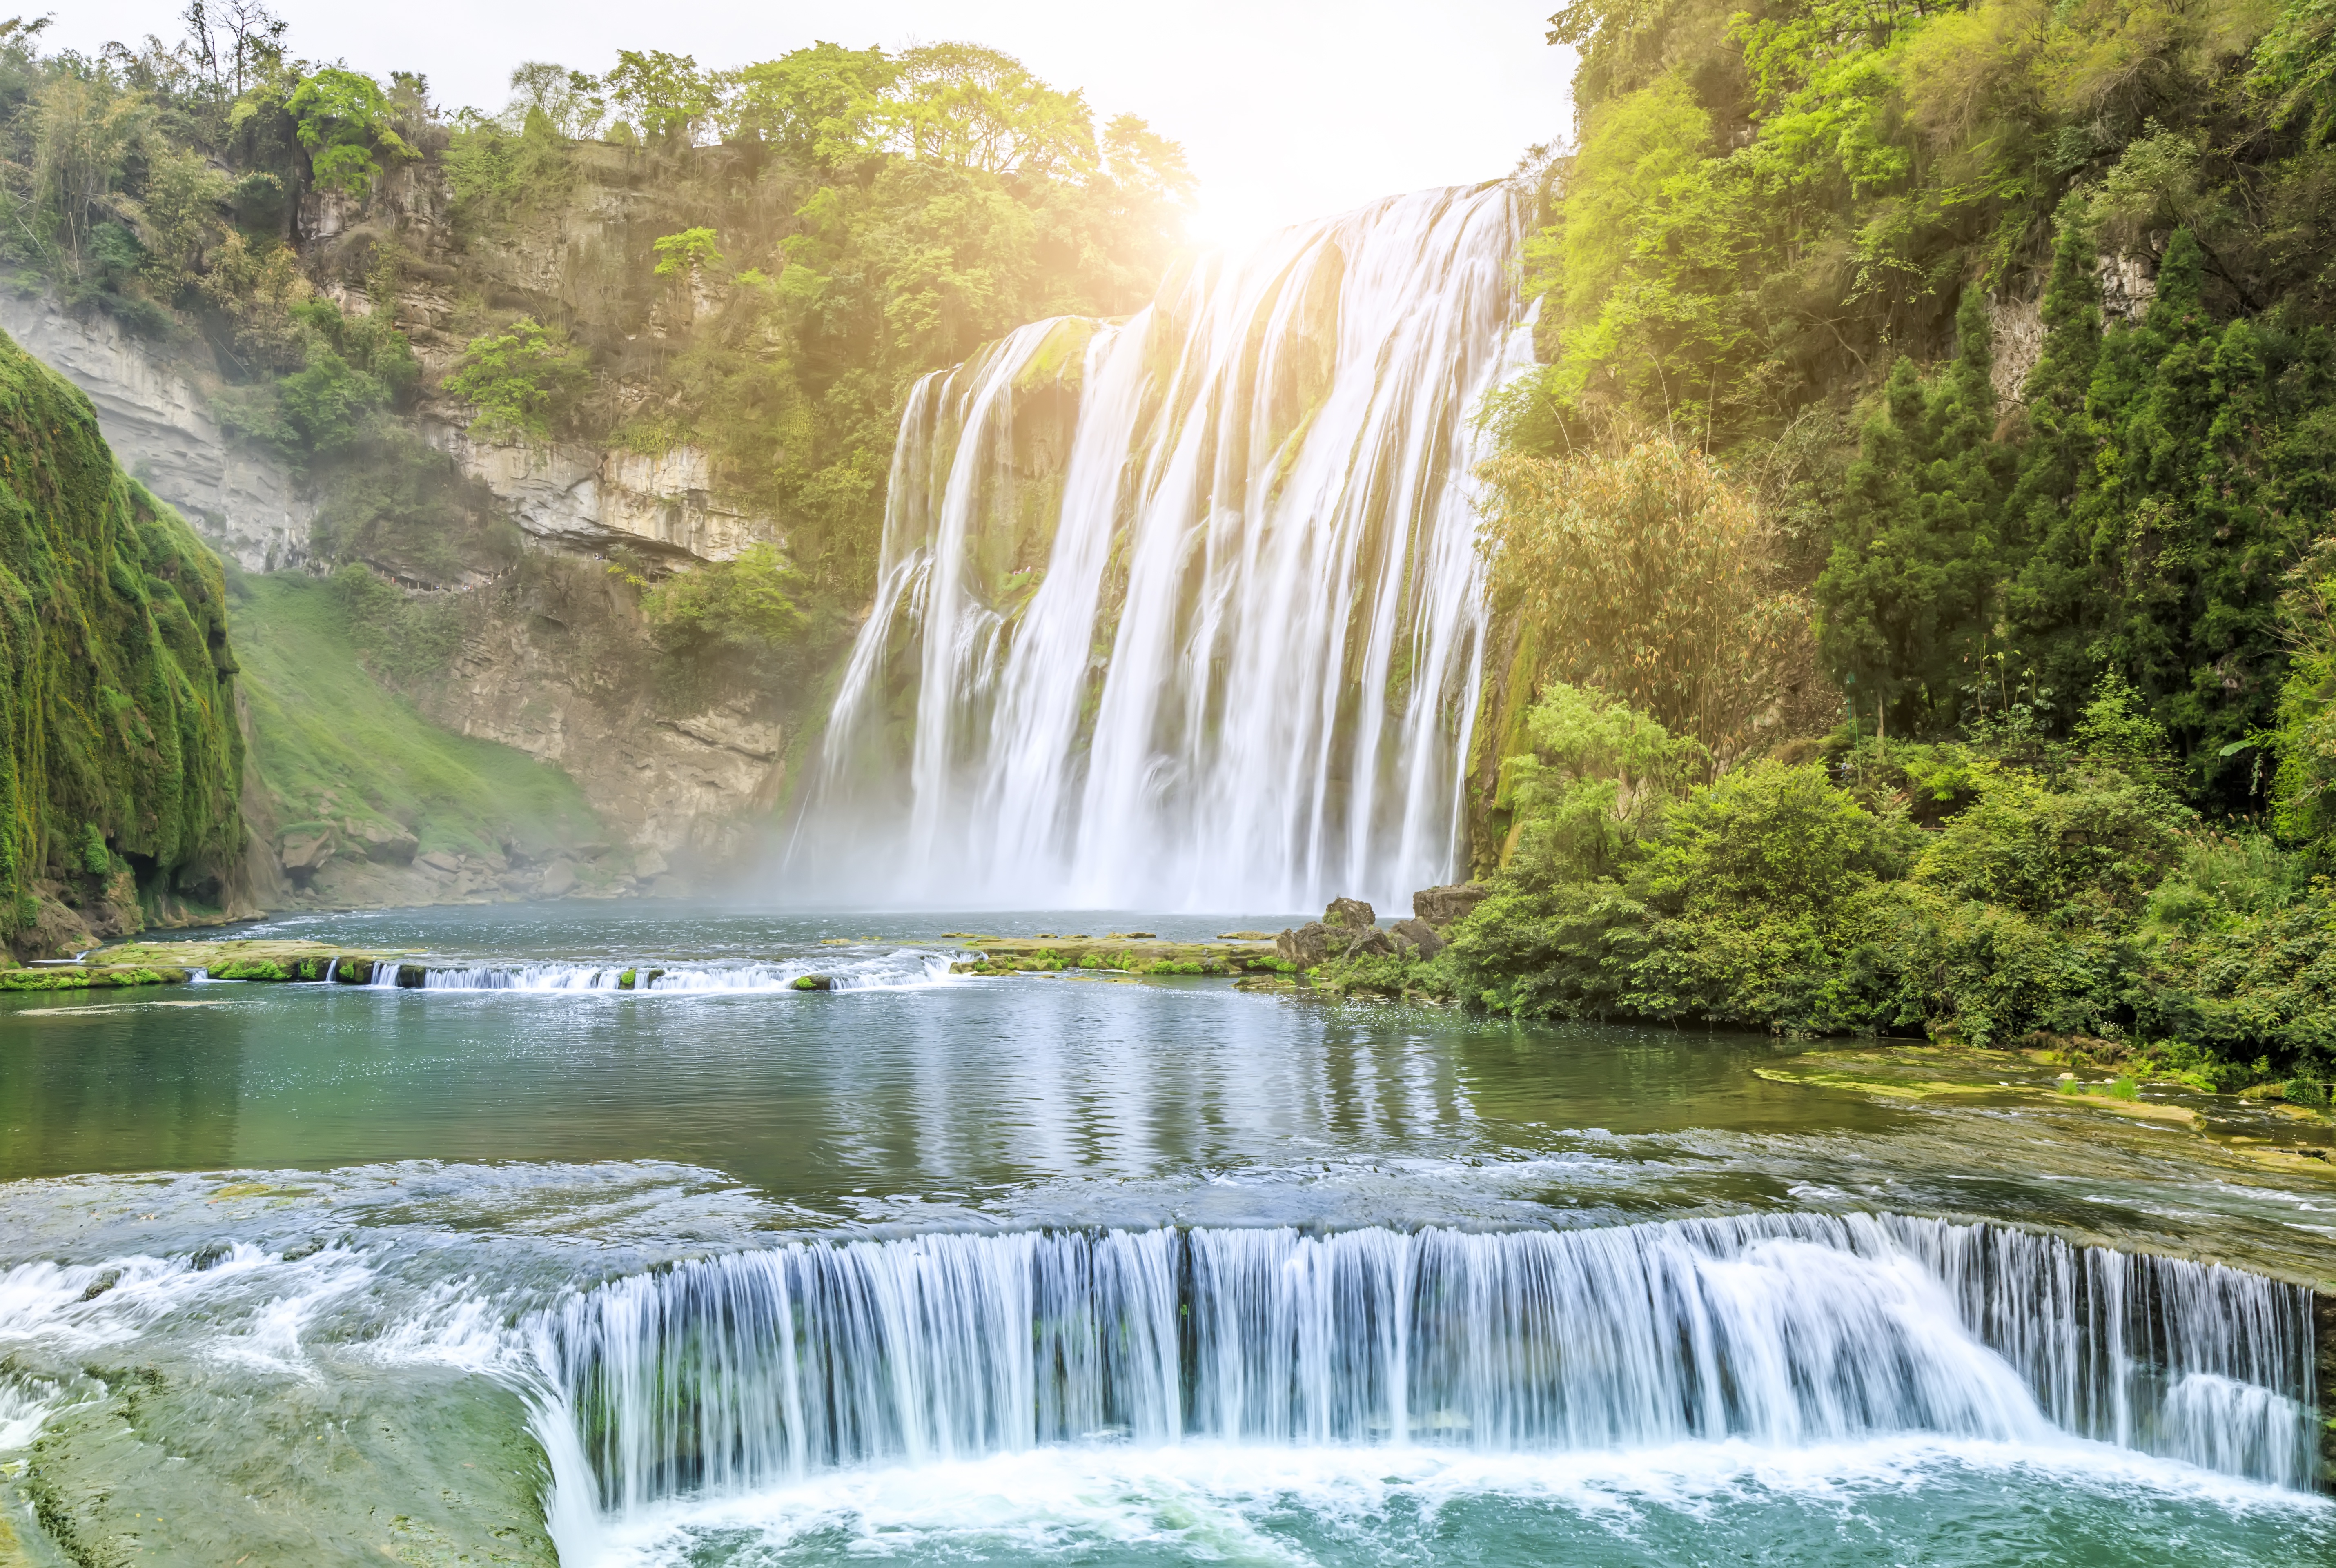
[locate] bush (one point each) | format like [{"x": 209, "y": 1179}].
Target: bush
[
  {"x": 522, "y": 379},
  {"x": 746, "y": 603}
]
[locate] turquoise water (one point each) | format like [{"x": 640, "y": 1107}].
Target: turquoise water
[{"x": 338, "y": 1220}]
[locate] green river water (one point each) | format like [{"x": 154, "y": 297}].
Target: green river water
[{"x": 283, "y": 1271}]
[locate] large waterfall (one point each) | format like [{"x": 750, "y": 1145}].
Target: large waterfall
[
  {"x": 755, "y": 1370},
  {"x": 1186, "y": 610}
]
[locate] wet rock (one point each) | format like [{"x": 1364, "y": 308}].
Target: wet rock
[
  {"x": 1420, "y": 936},
  {"x": 352, "y": 971},
  {"x": 1371, "y": 942},
  {"x": 1439, "y": 907},
  {"x": 1305, "y": 947},
  {"x": 412, "y": 977},
  {"x": 815, "y": 982},
  {"x": 1350, "y": 913},
  {"x": 557, "y": 879}
]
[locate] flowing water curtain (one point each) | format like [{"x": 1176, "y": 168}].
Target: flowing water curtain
[
  {"x": 1786, "y": 1331},
  {"x": 1222, "y": 647}
]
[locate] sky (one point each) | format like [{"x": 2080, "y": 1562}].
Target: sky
[{"x": 1287, "y": 109}]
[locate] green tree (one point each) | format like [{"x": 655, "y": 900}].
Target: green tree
[
  {"x": 1908, "y": 595},
  {"x": 662, "y": 95},
  {"x": 345, "y": 121},
  {"x": 520, "y": 379}
]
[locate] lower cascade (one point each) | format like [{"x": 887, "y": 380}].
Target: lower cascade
[{"x": 760, "y": 1368}]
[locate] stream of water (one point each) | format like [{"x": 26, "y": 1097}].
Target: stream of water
[{"x": 1021, "y": 1268}]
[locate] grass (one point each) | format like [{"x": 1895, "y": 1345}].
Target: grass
[{"x": 335, "y": 743}]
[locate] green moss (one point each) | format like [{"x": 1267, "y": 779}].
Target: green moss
[
  {"x": 81, "y": 978},
  {"x": 255, "y": 970},
  {"x": 117, "y": 709},
  {"x": 333, "y": 743}
]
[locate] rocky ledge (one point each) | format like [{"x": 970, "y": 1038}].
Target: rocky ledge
[{"x": 1115, "y": 953}]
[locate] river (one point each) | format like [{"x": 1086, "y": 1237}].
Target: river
[{"x": 1091, "y": 1269}]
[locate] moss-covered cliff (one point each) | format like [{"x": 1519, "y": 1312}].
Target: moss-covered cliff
[{"x": 120, "y": 758}]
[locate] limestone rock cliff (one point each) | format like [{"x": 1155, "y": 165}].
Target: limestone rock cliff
[{"x": 157, "y": 417}]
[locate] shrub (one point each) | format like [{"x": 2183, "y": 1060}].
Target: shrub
[{"x": 522, "y": 379}]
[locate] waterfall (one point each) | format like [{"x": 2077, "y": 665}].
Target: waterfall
[
  {"x": 1187, "y": 610},
  {"x": 758, "y": 1368}
]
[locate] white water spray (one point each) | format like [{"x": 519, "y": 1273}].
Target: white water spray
[
  {"x": 758, "y": 1369},
  {"x": 1187, "y": 611}
]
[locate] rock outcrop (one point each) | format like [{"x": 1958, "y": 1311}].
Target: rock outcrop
[
  {"x": 157, "y": 421},
  {"x": 1440, "y": 907}
]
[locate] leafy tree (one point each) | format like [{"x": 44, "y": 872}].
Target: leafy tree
[
  {"x": 746, "y": 604},
  {"x": 344, "y": 121},
  {"x": 520, "y": 379},
  {"x": 1907, "y": 600},
  {"x": 1642, "y": 574},
  {"x": 819, "y": 105},
  {"x": 662, "y": 95}
]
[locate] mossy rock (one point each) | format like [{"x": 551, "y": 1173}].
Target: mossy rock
[
  {"x": 117, "y": 686},
  {"x": 255, "y": 970},
  {"x": 86, "y": 977}
]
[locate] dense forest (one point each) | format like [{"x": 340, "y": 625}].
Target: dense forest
[
  {"x": 800, "y": 238},
  {"x": 1913, "y": 543}
]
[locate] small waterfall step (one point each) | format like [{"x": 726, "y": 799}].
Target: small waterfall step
[{"x": 1787, "y": 1330}]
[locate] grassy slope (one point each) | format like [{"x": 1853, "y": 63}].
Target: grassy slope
[{"x": 335, "y": 744}]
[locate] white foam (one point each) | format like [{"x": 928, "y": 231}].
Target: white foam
[{"x": 1214, "y": 1500}]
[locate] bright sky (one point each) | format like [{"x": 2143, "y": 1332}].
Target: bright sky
[{"x": 1288, "y": 109}]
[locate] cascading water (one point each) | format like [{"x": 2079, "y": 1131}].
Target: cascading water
[
  {"x": 1188, "y": 610},
  {"x": 757, "y": 1369}
]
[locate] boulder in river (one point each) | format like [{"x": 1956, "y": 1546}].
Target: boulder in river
[{"x": 1439, "y": 907}]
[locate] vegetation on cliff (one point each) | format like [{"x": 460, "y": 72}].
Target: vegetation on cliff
[
  {"x": 755, "y": 261},
  {"x": 1965, "y": 372},
  {"x": 119, "y": 757}
]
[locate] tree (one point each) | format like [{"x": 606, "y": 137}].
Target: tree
[
  {"x": 977, "y": 109},
  {"x": 663, "y": 95},
  {"x": 1642, "y": 574},
  {"x": 520, "y": 379},
  {"x": 344, "y": 119},
  {"x": 1908, "y": 595},
  {"x": 820, "y": 104},
  {"x": 568, "y": 103}
]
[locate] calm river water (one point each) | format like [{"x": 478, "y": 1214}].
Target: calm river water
[{"x": 1094, "y": 1271}]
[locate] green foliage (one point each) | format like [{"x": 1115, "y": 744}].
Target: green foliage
[
  {"x": 522, "y": 379},
  {"x": 746, "y": 604},
  {"x": 662, "y": 95},
  {"x": 1905, "y": 602},
  {"x": 117, "y": 712},
  {"x": 2081, "y": 900},
  {"x": 686, "y": 254},
  {"x": 1777, "y": 212},
  {"x": 344, "y": 121}
]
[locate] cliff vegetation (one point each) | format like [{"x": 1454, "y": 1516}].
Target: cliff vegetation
[{"x": 123, "y": 763}]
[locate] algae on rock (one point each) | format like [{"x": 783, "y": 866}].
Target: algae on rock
[{"x": 119, "y": 749}]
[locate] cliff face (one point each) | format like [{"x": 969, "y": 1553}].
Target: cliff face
[
  {"x": 158, "y": 419},
  {"x": 120, "y": 760}
]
